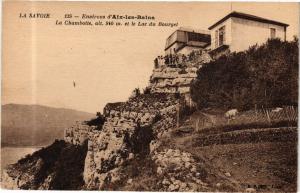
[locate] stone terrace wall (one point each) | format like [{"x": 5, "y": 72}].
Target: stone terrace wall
[{"x": 170, "y": 79}]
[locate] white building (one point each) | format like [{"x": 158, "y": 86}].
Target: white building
[
  {"x": 185, "y": 40},
  {"x": 238, "y": 31}
]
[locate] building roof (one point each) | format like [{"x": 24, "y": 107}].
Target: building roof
[
  {"x": 203, "y": 36},
  {"x": 188, "y": 29},
  {"x": 249, "y": 17}
]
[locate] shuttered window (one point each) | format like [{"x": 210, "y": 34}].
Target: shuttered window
[{"x": 222, "y": 36}]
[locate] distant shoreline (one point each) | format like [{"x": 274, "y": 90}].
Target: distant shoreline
[
  {"x": 18, "y": 146},
  {"x": 11, "y": 154}
]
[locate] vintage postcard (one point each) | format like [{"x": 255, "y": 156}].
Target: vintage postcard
[{"x": 150, "y": 96}]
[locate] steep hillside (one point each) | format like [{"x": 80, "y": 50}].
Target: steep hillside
[
  {"x": 154, "y": 142},
  {"x": 36, "y": 125}
]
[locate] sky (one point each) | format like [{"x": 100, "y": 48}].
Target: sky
[{"x": 40, "y": 60}]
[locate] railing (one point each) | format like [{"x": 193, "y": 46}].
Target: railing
[
  {"x": 174, "y": 60},
  {"x": 287, "y": 115}
]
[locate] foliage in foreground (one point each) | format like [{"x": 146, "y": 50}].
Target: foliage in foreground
[
  {"x": 265, "y": 75},
  {"x": 98, "y": 121},
  {"x": 63, "y": 161}
]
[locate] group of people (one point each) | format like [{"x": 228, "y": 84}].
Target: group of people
[{"x": 173, "y": 60}]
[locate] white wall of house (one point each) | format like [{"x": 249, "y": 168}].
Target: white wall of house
[
  {"x": 228, "y": 35},
  {"x": 170, "y": 50},
  {"x": 240, "y": 34},
  {"x": 245, "y": 33}
]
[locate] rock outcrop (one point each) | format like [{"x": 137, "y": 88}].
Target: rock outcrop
[
  {"x": 15, "y": 177},
  {"x": 78, "y": 133},
  {"x": 127, "y": 131},
  {"x": 178, "y": 171},
  {"x": 58, "y": 166},
  {"x": 8, "y": 181}
]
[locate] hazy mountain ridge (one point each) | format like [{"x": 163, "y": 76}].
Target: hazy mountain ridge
[{"x": 36, "y": 125}]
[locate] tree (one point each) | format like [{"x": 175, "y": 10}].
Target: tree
[{"x": 265, "y": 75}]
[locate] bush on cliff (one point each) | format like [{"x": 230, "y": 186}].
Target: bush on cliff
[
  {"x": 147, "y": 90},
  {"x": 61, "y": 160},
  {"x": 265, "y": 75},
  {"x": 69, "y": 168},
  {"x": 98, "y": 121}
]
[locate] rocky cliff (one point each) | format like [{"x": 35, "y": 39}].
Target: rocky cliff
[
  {"x": 127, "y": 132},
  {"x": 58, "y": 166},
  {"x": 130, "y": 130}
]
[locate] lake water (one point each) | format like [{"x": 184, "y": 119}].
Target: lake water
[{"x": 10, "y": 155}]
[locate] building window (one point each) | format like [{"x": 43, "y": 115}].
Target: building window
[
  {"x": 222, "y": 36},
  {"x": 273, "y": 33}
]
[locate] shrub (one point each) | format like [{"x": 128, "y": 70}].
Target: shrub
[
  {"x": 65, "y": 162},
  {"x": 135, "y": 93},
  {"x": 264, "y": 75},
  {"x": 147, "y": 90},
  {"x": 98, "y": 121}
]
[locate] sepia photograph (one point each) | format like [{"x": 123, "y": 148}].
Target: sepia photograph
[{"x": 150, "y": 96}]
